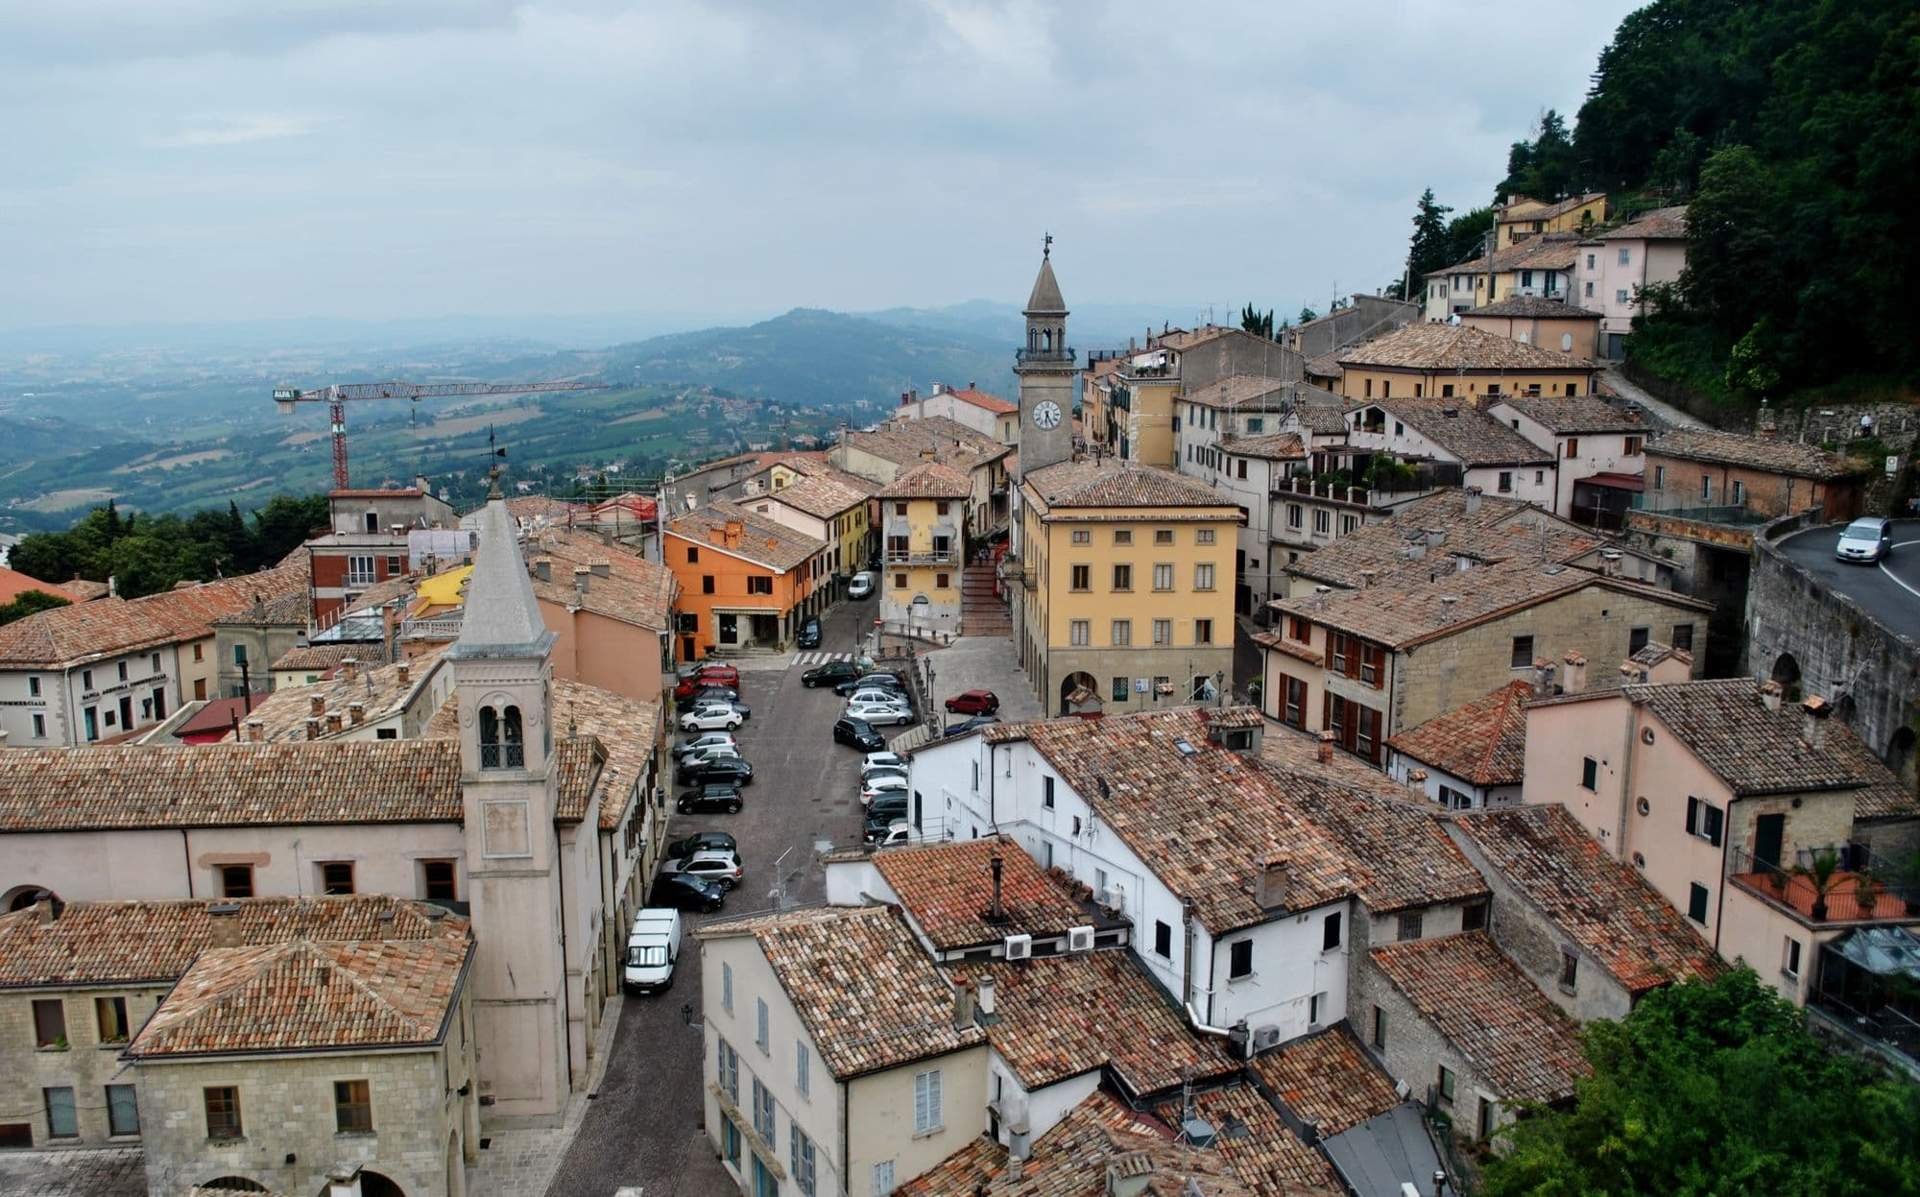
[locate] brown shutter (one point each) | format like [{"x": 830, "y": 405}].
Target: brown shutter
[{"x": 1329, "y": 648}]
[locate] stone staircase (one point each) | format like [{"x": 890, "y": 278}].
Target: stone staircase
[{"x": 981, "y": 613}]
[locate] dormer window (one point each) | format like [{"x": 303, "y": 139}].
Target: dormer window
[{"x": 501, "y": 744}]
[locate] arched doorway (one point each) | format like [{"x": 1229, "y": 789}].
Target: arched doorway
[
  {"x": 1079, "y": 694},
  {"x": 373, "y": 1184},
  {"x": 22, "y": 896},
  {"x": 236, "y": 1184},
  {"x": 1786, "y": 671},
  {"x": 1900, "y": 754}
]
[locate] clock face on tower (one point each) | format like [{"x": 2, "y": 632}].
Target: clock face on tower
[{"x": 1046, "y": 416}]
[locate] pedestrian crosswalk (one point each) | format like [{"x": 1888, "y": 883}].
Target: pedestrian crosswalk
[{"x": 809, "y": 660}]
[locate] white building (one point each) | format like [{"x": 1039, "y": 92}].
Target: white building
[
  {"x": 1610, "y": 271},
  {"x": 979, "y": 410},
  {"x": 1490, "y": 454},
  {"x": 1599, "y": 452}
]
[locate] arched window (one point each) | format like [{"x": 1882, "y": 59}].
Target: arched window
[
  {"x": 489, "y": 738},
  {"x": 511, "y": 739}
]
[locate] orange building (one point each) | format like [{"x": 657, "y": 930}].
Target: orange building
[{"x": 745, "y": 581}]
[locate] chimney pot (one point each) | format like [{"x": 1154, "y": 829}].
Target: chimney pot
[
  {"x": 316, "y": 705},
  {"x": 1274, "y": 870},
  {"x": 1771, "y": 694},
  {"x": 985, "y": 1000},
  {"x": 1814, "y": 721},
  {"x": 313, "y": 728},
  {"x": 357, "y": 712},
  {"x": 350, "y": 668},
  {"x": 404, "y": 672},
  {"x": 223, "y": 925},
  {"x": 1573, "y": 678},
  {"x": 581, "y": 574},
  {"x": 47, "y": 907},
  {"x": 1366, "y": 577},
  {"x": 1325, "y": 750},
  {"x": 962, "y": 1006},
  {"x": 255, "y": 731},
  {"x": 1417, "y": 782},
  {"x": 543, "y": 568},
  {"x": 601, "y": 569},
  {"x": 1473, "y": 499},
  {"x": 334, "y": 721}
]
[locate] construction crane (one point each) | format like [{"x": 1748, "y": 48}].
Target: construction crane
[{"x": 337, "y": 395}]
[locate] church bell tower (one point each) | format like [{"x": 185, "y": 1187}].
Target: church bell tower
[{"x": 1046, "y": 369}]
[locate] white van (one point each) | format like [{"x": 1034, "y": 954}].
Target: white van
[{"x": 653, "y": 947}]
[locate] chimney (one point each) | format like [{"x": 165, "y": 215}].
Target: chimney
[
  {"x": 1415, "y": 550},
  {"x": 334, "y": 722},
  {"x": 601, "y": 569},
  {"x": 1417, "y": 783},
  {"x": 1473, "y": 499},
  {"x": 1447, "y": 604},
  {"x": 581, "y": 575},
  {"x": 1814, "y": 724},
  {"x": 1610, "y": 563},
  {"x": 735, "y": 530},
  {"x": 312, "y": 728},
  {"x": 985, "y": 1000},
  {"x": 1573, "y": 678},
  {"x": 316, "y": 706},
  {"x": 403, "y": 672},
  {"x": 962, "y": 1006},
  {"x": 350, "y": 668},
  {"x": 1270, "y": 881},
  {"x": 717, "y": 536},
  {"x": 543, "y": 568},
  {"x": 255, "y": 731},
  {"x": 356, "y": 713},
  {"x": 113, "y": 586},
  {"x": 47, "y": 908},
  {"x": 1367, "y": 576},
  {"x": 1542, "y": 676},
  {"x": 223, "y": 925},
  {"x": 1770, "y": 695},
  {"x": 996, "y": 912},
  {"x": 1435, "y": 536},
  {"x": 1325, "y": 750}
]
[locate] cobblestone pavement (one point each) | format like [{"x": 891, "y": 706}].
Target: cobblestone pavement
[{"x": 83, "y": 1172}]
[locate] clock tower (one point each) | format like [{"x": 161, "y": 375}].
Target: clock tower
[{"x": 1046, "y": 369}]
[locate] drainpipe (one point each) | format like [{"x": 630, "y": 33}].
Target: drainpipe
[
  {"x": 1720, "y": 897},
  {"x": 1626, "y": 786},
  {"x": 993, "y": 814},
  {"x": 1186, "y": 956},
  {"x": 566, "y": 986},
  {"x": 186, "y": 852}
]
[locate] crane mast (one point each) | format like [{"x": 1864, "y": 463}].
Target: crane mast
[{"x": 337, "y": 395}]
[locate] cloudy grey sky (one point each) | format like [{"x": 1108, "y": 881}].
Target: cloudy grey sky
[{"x": 212, "y": 160}]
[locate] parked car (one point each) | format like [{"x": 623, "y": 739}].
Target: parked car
[
  {"x": 897, "y": 771},
  {"x": 967, "y": 725},
  {"x": 830, "y": 674},
  {"x": 708, "y": 675},
  {"x": 703, "y": 841},
  {"x": 689, "y": 747},
  {"x": 881, "y": 695},
  {"x": 880, "y": 816},
  {"x": 707, "y": 718},
  {"x": 887, "y": 806},
  {"x": 1867, "y": 539},
  {"x": 653, "y": 947},
  {"x": 857, "y": 733},
  {"x": 884, "y": 681},
  {"x": 809, "y": 634},
  {"x": 900, "y": 831},
  {"x": 861, "y": 586},
  {"x": 705, "y": 695},
  {"x": 882, "y": 760},
  {"x": 873, "y": 787},
  {"x": 730, "y": 770},
  {"x": 708, "y": 798},
  {"x": 686, "y": 893},
  {"x": 721, "y": 868},
  {"x": 880, "y": 715},
  {"x": 974, "y": 702},
  {"x": 711, "y": 752}
]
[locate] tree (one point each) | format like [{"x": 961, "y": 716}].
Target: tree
[
  {"x": 1543, "y": 168},
  {"x": 1306, "y": 314},
  {"x": 29, "y": 602},
  {"x": 1260, "y": 324},
  {"x": 1732, "y": 258},
  {"x": 1429, "y": 249},
  {"x": 1716, "y": 1089},
  {"x": 1467, "y": 235}
]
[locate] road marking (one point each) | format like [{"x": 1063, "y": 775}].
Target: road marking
[
  {"x": 820, "y": 658},
  {"x": 1896, "y": 581}
]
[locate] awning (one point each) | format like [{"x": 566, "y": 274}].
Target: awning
[{"x": 1632, "y": 482}]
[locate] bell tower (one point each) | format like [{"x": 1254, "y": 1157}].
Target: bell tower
[
  {"x": 1046, "y": 369},
  {"x": 503, "y": 679}
]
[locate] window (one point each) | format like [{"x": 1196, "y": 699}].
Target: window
[
  {"x": 1163, "y": 577},
  {"x": 39, "y": 727},
  {"x": 1123, "y": 577},
  {"x": 1522, "y": 656},
  {"x": 86, "y": 679},
  {"x": 730, "y": 1141},
  {"x": 1046, "y": 792},
  {"x": 1203, "y": 536},
  {"x": 33, "y": 684},
  {"x": 1633, "y": 446},
  {"x": 1473, "y": 917},
  {"x": 1412, "y": 922},
  {"x": 1573, "y": 447},
  {"x": 50, "y": 1024},
  {"x": 1505, "y": 485},
  {"x": 1446, "y": 390},
  {"x": 706, "y": 583},
  {"x": 1203, "y": 631},
  {"x": 110, "y": 1016},
  {"x": 883, "y": 1178},
  {"x": 1083, "y": 577},
  {"x": 900, "y": 509},
  {"x": 1790, "y": 958},
  {"x": 941, "y": 507},
  {"x": 1569, "y": 969},
  {"x": 1322, "y": 524},
  {"x": 693, "y": 555},
  {"x": 1082, "y": 536},
  {"x": 759, "y": 585},
  {"x": 802, "y": 1069},
  {"x": 803, "y": 1177},
  {"x": 236, "y": 880},
  {"x": 62, "y": 1122},
  {"x": 1119, "y": 690},
  {"x": 1379, "y": 1027},
  {"x": 1240, "y": 959},
  {"x": 1697, "y": 903},
  {"x": 1369, "y": 394},
  {"x": 1659, "y": 477},
  {"x": 1162, "y": 940},
  {"x": 1203, "y": 576},
  {"x": 1163, "y": 536},
  {"x": 223, "y": 1112},
  {"x": 352, "y": 1108},
  {"x": 899, "y": 581},
  {"x": 1078, "y": 633},
  {"x": 942, "y": 581},
  {"x": 1122, "y": 633},
  {"x": 764, "y": 1117},
  {"x": 1293, "y": 515},
  {"x": 123, "y": 1110},
  {"x": 1589, "y": 774},
  {"x": 395, "y": 566},
  {"x": 1299, "y": 628},
  {"x": 726, "y": 987},
  {"x": 1589, "y": 294},
  {"x": 1738, "y": 493},
  {"x": 1682, "y": 636},
  {"x": 1445, "y": 1089},
  {"x": 1330, "y": 932},
  {"x": 1162, "y": 632},
  {"x": 926, "y": 1102},
  {"x": 1705, "y": 820},
  {"x": 501, "y": 745},
  {"x": 1123, "y": 536},
  {"x": 1626, "y": 256},
  {"x": 437, "y": 881},
  {"x": 1241, "y": 472},
  {"x": 360, "y": 571},
  {"x": 1483, "y": 1120},
  {"x": 760, "y": 1025},
  {"x": 336, "y": 877},
  {"x": 729, "y": 1071}
]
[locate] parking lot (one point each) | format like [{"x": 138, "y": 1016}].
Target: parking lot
[{"x": 643, "y": 1128}]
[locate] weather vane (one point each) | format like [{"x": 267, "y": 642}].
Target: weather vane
[{"x": 1046, "y": 246}]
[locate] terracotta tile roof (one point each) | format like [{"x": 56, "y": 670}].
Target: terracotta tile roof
[
  {"x": 229, "y": 785},
  {"x": 1572, "y": 413},
  {"x": 1463, "y": 431},
  {"x": 109, "y": 626},
  {"x": 763, "y": 541},
  {"x": 1752, "y": 749},
  {"x": 13, "y": 584},
  {"x": 1275, "y": 446},
  {"x": 1411, "y": 606},
  {"x": 1107, "y": 482},
  {"x": 86, "y": 589},
  {"x": 1458, "y": 347},
  {"x": 377, "y": 689},
  {"x": 290, "y": 609},
  {"x": 1294, "y": 751},
  {"x": 930, "y": 480},
  {"x": 381, "y": 593},
  {"x": 1660, "y": 224},
  {"x": 1061, "y": 1016},
  {"x": 1549, "y": 251},
  {"x": 1520, "y": 1043},
  {"x": 1753, "y": 452},
  {"x": 539, "y": 510},
  {"x": 375, "y": 492},
  {"x": 1506, "y": 215},
  {"x": 635, "y": 590},
  {"x": 1325, "y": 417},
  {"x": 903, "y": 441},
  {"x": 1402, "y": 856},
  {"x": 1484, "y": 534},
  {"x": 1602, "y": 905},
  {"x": 1483, "y": 742},
  {"x": 984, "y": 400},
  {"x": 322, "y": 657},
  {"x": 1256, "y": 1146},
  {"x": 948, "y": 888},
  {"x": 819, "y": 495},
  {"x": 1328, "y": 1079},
  {"x": 1072, "y": 1158},
  {"x": 1327, "y": 365},
  {"x": 101, "y": 943},
  {"x": 218, "y": 714},
  {"x": 306, "y": 996},
  {"x": 1253, "y": 392},
  {"x": 869, "y": 995},
  {"x": 1533, "y": 307}
]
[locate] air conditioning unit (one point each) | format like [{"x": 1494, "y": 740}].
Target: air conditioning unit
[
  {"x": 1265, "y": 1038},
  {"x": 1019, "y": 947},
  {"x": 1079, "y": 939},
  {"x": 1117, "y": 899}
]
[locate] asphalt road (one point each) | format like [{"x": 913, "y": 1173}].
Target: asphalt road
[
  {"x": 644, "y": 1126},
  {"x": 1890, "y": 591}
]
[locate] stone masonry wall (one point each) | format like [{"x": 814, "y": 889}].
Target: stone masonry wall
[
  {"x": 1414, "y": 1050},
  {"x": 85, "y": 1065}
]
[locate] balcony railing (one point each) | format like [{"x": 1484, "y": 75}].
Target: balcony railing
[
  {"x": 948, "y": 557},
  {"x": 1848, "y": 897},
  {"x": 1310, "y": 489},
  {"x": 1043, "y": 356},
  {"x": 438, "y": 627}
]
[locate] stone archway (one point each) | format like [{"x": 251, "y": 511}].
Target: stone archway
[
  {"x": 374, "y": 1184},
  {"x": 22, "y": 896},
  {"x": 1786, "y": 671},
  {"x": 236, "y": 1184},
  {"x": 1079, "y": 694}
]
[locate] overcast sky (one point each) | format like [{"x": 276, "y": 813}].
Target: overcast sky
[{"x": 213, "y": 160}]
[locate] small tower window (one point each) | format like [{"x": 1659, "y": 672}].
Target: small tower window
[{"x": 501, "y": 745}]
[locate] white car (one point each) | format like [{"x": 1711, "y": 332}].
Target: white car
[
  {"x": 1866, "y": 539},
  {"x": 883, "y": 697},
  {"x": 722, "y": 868},
  {"x": 688, "y": 748},
  {"x": 879, "y": 716},
  {"x": 881, "y": 760},
  {"x": 710, "y": 719},
  {"x": 861, "y": 586},
  {"x": 873, "y": 787},
  {"x": 709, "y": 752}
]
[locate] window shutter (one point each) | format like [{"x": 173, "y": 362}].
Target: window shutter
[
  {"x": 1693, "y": 816},
  {"x": 1330, "y": 638},
  {"x": 933, "y": 1098},
  {"x": 920, "y": 1122},
  {"x": 1715, "y": 820}
]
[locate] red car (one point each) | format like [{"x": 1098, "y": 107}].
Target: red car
[
  {"x": 707, "y": 675},
  {"x": 974, "y": 702}
]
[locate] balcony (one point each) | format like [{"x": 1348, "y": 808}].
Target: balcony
[
  {"x": 1043, "y": 357},
  {"x": 1846, "y": 896},
  {"x": 936, "y": 557},
  {"x": 1307, "y": 488},
  {"x": 438, "y": 627}
]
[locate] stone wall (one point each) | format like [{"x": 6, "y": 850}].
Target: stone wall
[
  {"x": 1413, "y": 1050},
  {"x": 1870, "y": 673},
  {"x": 86, "y": 1064}
]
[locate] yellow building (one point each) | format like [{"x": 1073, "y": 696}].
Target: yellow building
[
  {"x": 923, "y": 520},
  {"x": 1458, "y": 361},
  {"x": 1128, "y": 403},
  {"x": 1127, "y": 576},
  {"x": 826, "y": 503},
  {"x": 1525, "y": 217}
]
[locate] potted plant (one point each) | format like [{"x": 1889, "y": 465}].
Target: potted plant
[
  {"x": 1866, "y": 894},
  {"x": 1821, "y": 874}
]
